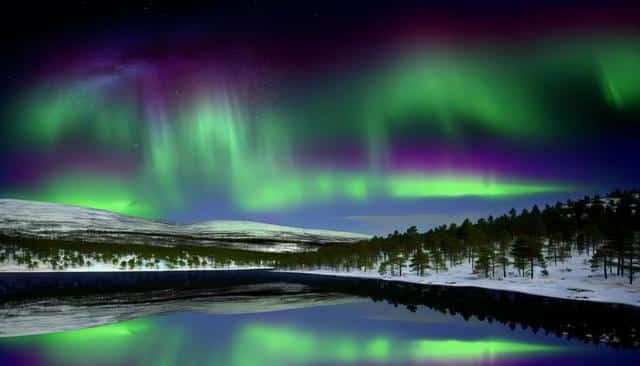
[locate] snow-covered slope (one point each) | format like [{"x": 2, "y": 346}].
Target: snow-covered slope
[
  {"x": 30, "y": 219},
  {"x": 570, "y": 279}
]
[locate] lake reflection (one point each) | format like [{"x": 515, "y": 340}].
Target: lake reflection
[
  {"x": 275, "y": 318},
  {"x": 349, "y": 332},
  {"x": 357, "y": 333}
]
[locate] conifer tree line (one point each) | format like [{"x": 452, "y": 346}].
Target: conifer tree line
[{"x": 605, "y": 228}]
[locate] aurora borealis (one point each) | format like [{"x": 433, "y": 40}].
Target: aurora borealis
[
  {"x": 255, "y": 344},
  {"x": 412, "y": 112},
  {"x": 274, "y": 345}
]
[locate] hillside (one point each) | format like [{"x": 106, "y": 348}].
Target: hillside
[{"x": 52, "y": 221}]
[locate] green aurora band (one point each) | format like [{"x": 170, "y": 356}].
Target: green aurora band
[
  {"x": 257, "y": 344},
  {"x": 113, "y": 344},
  {"x": 271, "y": 345},
  {"x": 211, "y": 141}
]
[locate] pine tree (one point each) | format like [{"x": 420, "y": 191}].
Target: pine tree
[
  {"x": 528, "y": 250},
  {"x": 484, "y": 261},
  {"x": 519, "y": 252},
  {"x": 420, "y": 262},
  {"x": 396, "y": 263},
  {"x": 632, "y": 256},
  {"x": 504, "y": 242},
  {"x": 438, "y": 259},
  {"x": 602, "y": 256},
  {"x": 475, "y": 240},
  {"x": 382, "y": 270}
]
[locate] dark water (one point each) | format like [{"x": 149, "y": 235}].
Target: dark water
[
  {"x": 358, "y": 333},
  {"x": 298, "y": 321}
]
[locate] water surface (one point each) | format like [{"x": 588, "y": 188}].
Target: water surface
[{"x": 297, "y": 324}]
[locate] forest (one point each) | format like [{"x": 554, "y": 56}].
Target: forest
[{"x": 606, "y": 229}]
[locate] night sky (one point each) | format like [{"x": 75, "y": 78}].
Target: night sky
[{"x": 327, "y": 115}]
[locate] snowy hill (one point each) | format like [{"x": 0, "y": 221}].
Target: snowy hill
[{"x": 42, "y": 220}]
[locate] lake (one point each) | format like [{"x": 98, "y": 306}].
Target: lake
[{"x": 285, "y": 319}]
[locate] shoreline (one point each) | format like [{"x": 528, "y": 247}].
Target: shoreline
[
  {"x": 121, "y": 293},
  {"x": 9, "y": 279},
  {"x": 470, "y": 285}
]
